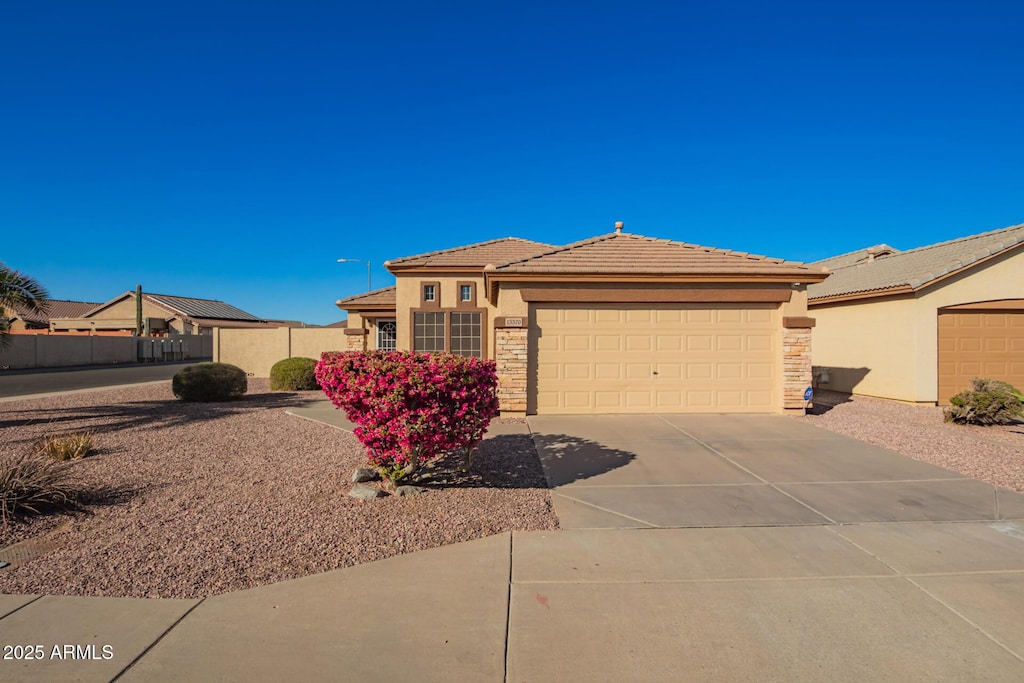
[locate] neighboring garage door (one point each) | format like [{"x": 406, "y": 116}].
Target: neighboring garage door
[
  {"x": 986, "y": 344},
  {"x": 639, "y": 359}
]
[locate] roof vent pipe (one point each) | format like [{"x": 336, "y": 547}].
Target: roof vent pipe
[{"x": 618, "y": 227}]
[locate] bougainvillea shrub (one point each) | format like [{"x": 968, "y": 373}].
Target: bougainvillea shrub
[{"x": 411, "y": 407}]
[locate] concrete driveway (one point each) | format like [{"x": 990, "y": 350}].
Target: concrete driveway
[
  {"x": 735, "y": 470},
  {"x": 820, "y": 557},
  {"x": 718, "y": 548}
]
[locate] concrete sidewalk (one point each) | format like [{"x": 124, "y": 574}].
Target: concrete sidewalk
[{"x": 828, "y": 560}]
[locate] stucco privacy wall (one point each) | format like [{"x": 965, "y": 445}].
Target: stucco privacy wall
[
  {"x": 256, "y": 350},
  {"x": 52, "y": 350},
  {"x": 895, "y": 341}
]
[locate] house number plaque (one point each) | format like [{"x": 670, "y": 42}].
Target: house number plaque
[{"x": 513, "y": 322}]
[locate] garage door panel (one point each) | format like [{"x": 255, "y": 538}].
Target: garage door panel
[
  {"x": 667, "y": 358},
  {"x": 980, "y": 344},
  {"x": 727, "y": 371},
  {"x": 698, "y": 342},
  {"x": 698, "y": 316},
  {"x": 637, "y": 342},
  {"x": 730, "y": 342},
  {"x": 669, "y": 342}
]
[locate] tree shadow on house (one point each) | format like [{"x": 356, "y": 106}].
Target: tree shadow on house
[
  {"x": 150, "y": 414},
  {"x": 514, "y": 461}
]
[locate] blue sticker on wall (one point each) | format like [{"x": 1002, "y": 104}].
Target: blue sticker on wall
[{"x": 808, "y": 392}]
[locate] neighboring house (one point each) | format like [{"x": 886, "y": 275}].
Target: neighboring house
[
  {"x": 20, "y": 319},
  {"x": 917, "y": 325},
  {"x": 619, "y": 323},
  {"x": 162, "y": 314}
]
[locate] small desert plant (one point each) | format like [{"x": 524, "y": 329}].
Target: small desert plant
[
  {"x": 74, "y": 446},
  {"x": 30, "y": 482},
  {"x": 989, "y": 402},
  {"x": 207, "y": 382},
  {"x": 294, "y": 374}
]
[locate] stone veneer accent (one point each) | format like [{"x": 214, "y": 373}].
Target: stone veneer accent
[
  {"x": 796, "y": 366},
  {"x": 510, "y": 357},
  {"x": 355, "y": 342}
]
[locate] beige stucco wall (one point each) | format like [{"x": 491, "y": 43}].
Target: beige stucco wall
[
  {"x": 255, "y": 350},
  {"x": 407, "y": 298},
  {"x": 868, "y": 348},
  {"x": 895, "y": 341},
  {"x": 51, "y": 351}
]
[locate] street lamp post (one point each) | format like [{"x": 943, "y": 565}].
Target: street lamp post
[{"x": 355, "y": 260}]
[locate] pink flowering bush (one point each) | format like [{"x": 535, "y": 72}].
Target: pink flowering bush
[{"x": 411, "y": 407}]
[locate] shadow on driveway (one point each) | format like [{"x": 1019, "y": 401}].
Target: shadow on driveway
[{"x": 567, "y": 459}]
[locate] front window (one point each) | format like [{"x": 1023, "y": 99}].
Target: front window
[
  {"x": 466, "y": 336},
  {"x": 466, "y": 292},
  {"x": 428, "y": 293},
  {"x": 428, "y": 331},
  {"x": 387, "y": 335}
]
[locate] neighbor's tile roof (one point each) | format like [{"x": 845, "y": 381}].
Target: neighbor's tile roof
[
  {"x": 475, "y": 255},
  {"x": 625, "y": 254},
  {"x": 855, "y": 257},
  {"x": 56, "y": 308},
  {"x": 377, "y": 298},
  {"x": 201, "y": 308},
  {"x": 916, "y": 268}
]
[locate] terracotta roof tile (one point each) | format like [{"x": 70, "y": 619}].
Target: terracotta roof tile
[
  {"x": 855, "y": 257},
  {"x": 475, "y": 255},
  {"x": 377, "y": 298},
  {"x": 627, "y": 254},
  {"x": 916, "y": 268}
]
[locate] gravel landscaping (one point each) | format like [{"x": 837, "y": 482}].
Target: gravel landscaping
[
  {"x": 201, "y": 499},
  {"x": 994, "y": 454}
]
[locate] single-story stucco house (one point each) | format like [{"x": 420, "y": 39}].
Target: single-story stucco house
[
  {"x": 20, "y": 319},
  {"x": 162, "y": 314},
  {"x": 917, "y": 325},
  {"x": 619, "y": 323}
]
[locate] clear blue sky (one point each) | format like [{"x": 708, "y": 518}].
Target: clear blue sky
[{"x": 236, "y": 150}]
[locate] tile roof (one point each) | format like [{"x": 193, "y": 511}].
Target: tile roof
[
  {"x": 56, "y": 308},
  {"x": 376, "y": 298},
  {"x": 200, "y": 308},
  {"x": 628, "y": 254},
  {"x": 913, "y": 269},
  {"x": 474, "y": 255},
  {"x": 855, "y": 257}
]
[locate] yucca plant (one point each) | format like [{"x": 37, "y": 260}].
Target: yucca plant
[
  {"x": 74, "y": 446},
  {"x": 30, "y": 482}
]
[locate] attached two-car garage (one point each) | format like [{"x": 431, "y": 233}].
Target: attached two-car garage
[
  {"x": 979, "y": 342},
  {"x": 649, "y": 358}
]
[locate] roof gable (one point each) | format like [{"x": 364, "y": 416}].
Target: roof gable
[
  {"x": 55, "y": 308},
  {"x": 908, "y": 271},
  {"x": 854, "y": 257},
  {"x": 378, "y": 298},
  {"x": 473, "y": 255},
  {"x": 621, "y": 253},
  {"x": 200, "y": 308}
]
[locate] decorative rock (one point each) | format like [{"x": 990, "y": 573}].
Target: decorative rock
[
  {"x": 364, "y": 474},
  {"x": 409, "y": 490},
  {"x": 363, "y": 492}
]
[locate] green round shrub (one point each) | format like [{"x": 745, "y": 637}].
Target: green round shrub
[
  {"x": 208, "y": 382},
  {"x": 293, "y": 374}
]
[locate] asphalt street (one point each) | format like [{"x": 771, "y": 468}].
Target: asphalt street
[{"x": 14, "y": 383}]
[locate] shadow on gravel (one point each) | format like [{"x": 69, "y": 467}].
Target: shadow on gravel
[
  {"x": 154, "y": 414},
  {"x": 825, "y": 401}
]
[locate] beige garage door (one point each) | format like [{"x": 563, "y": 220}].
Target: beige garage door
[
  {"x": 979, "y": 344},
  {"x": 624, "y": 359}
]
